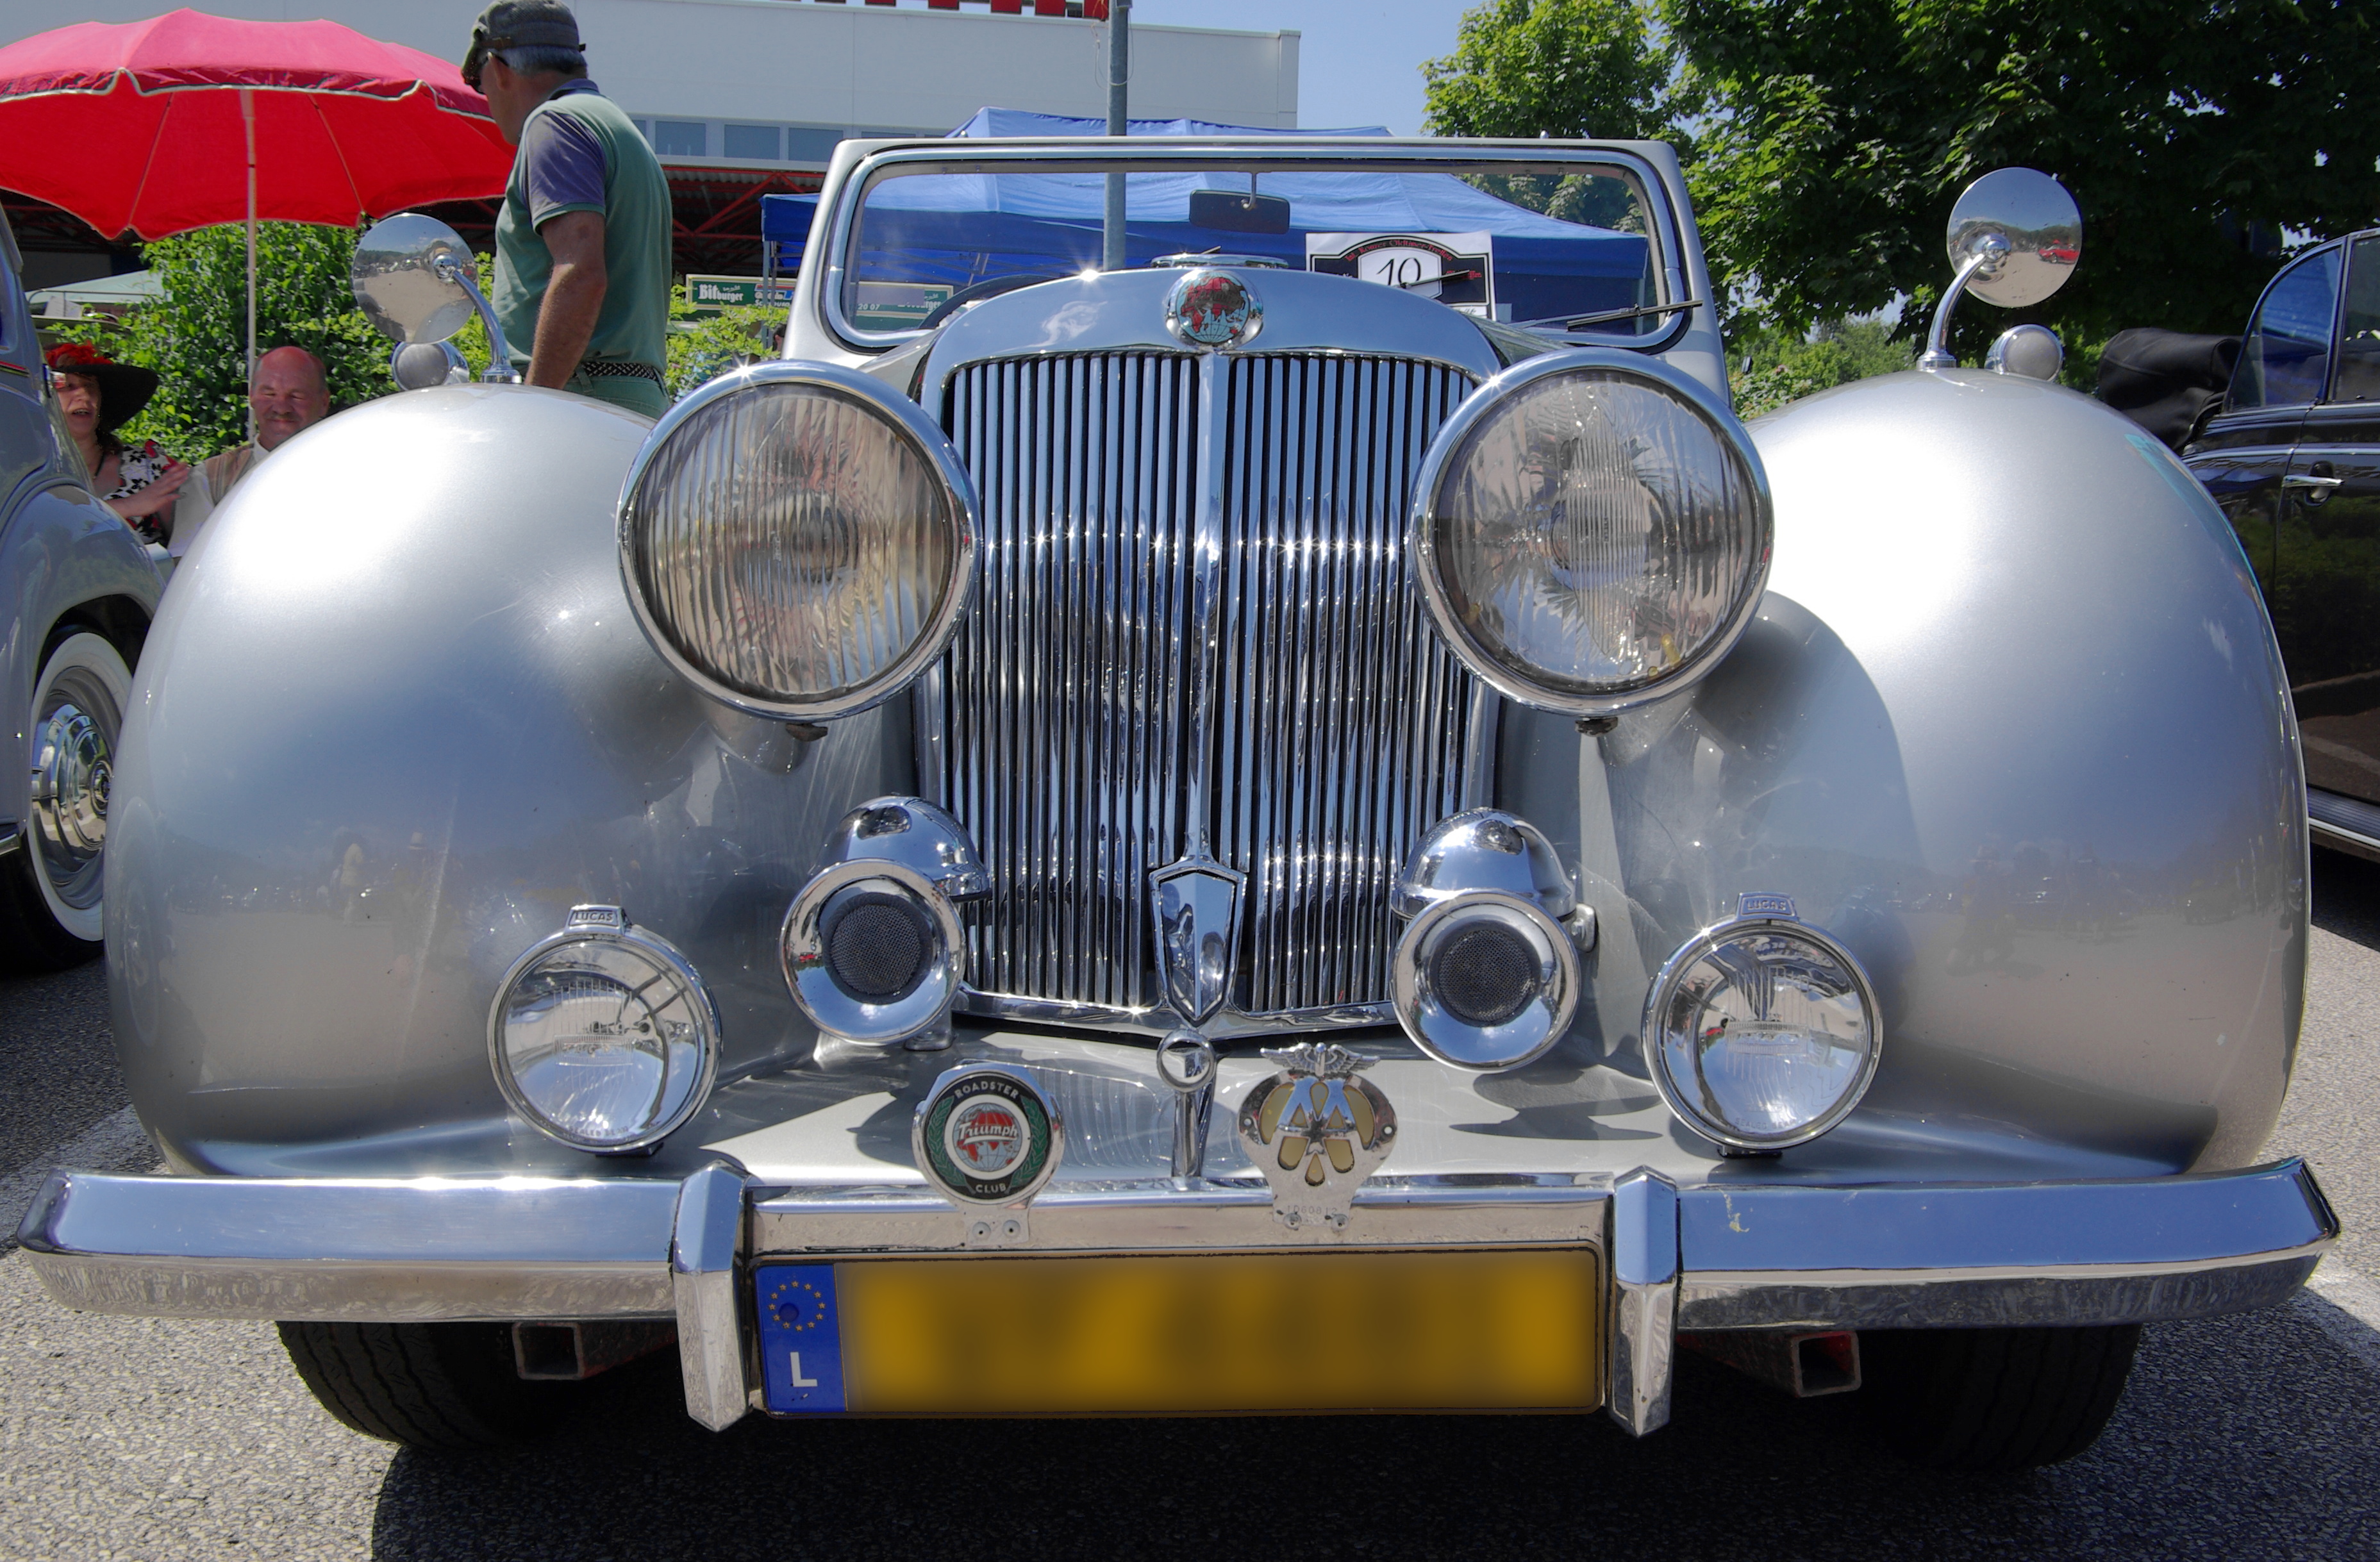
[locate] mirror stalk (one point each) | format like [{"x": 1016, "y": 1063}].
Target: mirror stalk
[
  {"x": 1990, "y": 250},
  {"x": 500, "y": 369}
]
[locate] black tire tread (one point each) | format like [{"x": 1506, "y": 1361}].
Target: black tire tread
[
  {"x": 447, "y": 1386},
  {"x": 32, "y": 943},
  {"x": 2000, "y": 1399}
]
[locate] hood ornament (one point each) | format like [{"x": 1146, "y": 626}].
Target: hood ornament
[
  {"x": 1213, "y": 309},
  {"x": 1316, "y": 1131}
]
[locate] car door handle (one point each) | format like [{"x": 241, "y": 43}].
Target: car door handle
[{"x": 2311, "y": 480}]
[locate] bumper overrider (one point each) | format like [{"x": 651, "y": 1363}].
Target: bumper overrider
[{"x": 696, "y": 1252}]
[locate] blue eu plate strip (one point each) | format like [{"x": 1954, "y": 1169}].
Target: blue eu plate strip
[{"x": 801, "y": 1338}]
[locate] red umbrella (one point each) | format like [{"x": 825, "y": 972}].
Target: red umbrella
[{"x": 188, "y": 119}]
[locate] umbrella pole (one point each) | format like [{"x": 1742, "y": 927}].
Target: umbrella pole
[{"x": 248, "y": 115}]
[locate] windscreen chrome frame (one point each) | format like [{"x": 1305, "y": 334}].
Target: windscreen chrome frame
[{"x": 1268, "y": 155}]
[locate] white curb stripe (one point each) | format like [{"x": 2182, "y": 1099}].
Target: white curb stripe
[{"x": 115, "y": 1142}]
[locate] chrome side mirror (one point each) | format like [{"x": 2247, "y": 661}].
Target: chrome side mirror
[
  {"x": 416, "y": 280},
  {"x": 2015, "y": 236}
]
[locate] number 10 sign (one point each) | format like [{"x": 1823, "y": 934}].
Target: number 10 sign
[{"x": 1454, "y": 268}]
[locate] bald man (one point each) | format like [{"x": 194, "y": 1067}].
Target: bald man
[{"x": 290, "y": 394}]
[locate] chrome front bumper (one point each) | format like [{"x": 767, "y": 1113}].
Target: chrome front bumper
[{"x": 1704, "y": 1257}]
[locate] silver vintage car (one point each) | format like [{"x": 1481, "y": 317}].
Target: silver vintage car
[
  {"x": 1234, "y": 789},
  {"x": 77, "y": 590}
]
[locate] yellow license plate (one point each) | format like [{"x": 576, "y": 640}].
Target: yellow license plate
[{"x": 1507, "y": 1329}]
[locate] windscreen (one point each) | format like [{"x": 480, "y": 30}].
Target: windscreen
[{"x": 1557, "y": 250}]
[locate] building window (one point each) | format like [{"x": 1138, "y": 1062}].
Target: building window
[
  {"x": 811, "y": 143},
  {"x": 681, "y": 138},
  {"x": 757, "y": 142}
]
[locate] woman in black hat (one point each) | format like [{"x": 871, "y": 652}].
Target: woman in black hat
[{"x": 99, "y": 395}]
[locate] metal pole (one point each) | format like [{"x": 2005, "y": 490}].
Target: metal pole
[
  {"x": 1119, "y": 122},
  {"x": 248, "y": 115}
]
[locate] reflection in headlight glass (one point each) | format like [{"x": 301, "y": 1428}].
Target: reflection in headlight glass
[
  {"x": 601, "y": 1040},
  {"x": 1595, "y": 531},
  {"x": 791, "y": 543},
  {"x": 1765, "y": 1035}
]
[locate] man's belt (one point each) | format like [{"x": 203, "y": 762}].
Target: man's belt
[{"x": 605, "y": 369}]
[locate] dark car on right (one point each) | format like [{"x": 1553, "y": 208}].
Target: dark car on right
[{"x": 2292, "y": 454}]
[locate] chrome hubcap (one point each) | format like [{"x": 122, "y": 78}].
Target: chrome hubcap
[{"x": 73, "y": 763}]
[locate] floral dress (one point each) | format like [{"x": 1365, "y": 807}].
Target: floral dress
[{"x": 135, "y": 470}]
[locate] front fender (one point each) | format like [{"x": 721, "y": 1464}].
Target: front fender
[
  {"x": 2011, "y": 722},
  {"x": 396, "y": 719}
]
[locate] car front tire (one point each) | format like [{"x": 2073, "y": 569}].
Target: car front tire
[
  {"x": 1995, "y": 1400},
  {"x": 444, "y": 1386},
  {"x": 50, "y": 885}
]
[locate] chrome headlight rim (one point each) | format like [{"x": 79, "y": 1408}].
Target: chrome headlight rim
[
  {"x": 908, "y": 420},
  {"x": 1453, "y": 439},
  {"x": 1548, "y": 1013},
  {"x": 802, "y": 955},
  {"x": 650, "y": 945},
  {"x": 1664, "y": 987}
]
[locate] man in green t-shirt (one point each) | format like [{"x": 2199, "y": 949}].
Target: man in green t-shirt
[{"x": 583, "y": 241}]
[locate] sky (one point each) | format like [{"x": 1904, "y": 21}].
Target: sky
[{"x": 1359, "y": 62}]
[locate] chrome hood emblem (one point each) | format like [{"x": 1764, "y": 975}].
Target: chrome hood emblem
[
  {"x": 1213, "y": 309},
  {"x": 1316, "y": 1131}
]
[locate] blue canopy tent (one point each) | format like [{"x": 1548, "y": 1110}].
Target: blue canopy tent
[{"x": 956, "y": 229}]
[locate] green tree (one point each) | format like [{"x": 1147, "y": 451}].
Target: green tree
[
  {"x": 1552, "y": 68},
  {"x": 1572, "y": 68},
  {"x": 1776, "y": 366},
  {"x": 707, "y": 345},
  {"x": 196, "y": 336},
  {"x": 1842, "y": 131}
]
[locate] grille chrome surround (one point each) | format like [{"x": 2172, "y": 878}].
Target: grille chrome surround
[{"x": 1194, "y": 631}]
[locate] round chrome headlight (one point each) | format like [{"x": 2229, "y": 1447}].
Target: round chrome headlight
[
  {"x": 1762, "y": 1033},
  {"x": 1592, "y": 530},
  {"x": 602, "y": 1034},
  {"x": 797, "y": 539}
]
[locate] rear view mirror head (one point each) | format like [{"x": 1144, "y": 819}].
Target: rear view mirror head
[{"x": 1230, "y": 212}]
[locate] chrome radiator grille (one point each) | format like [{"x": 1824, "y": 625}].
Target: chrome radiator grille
[{"x": 1071, "y": 696}]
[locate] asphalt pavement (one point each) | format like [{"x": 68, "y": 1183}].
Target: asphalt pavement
[{"x": 2240, "y": 1438}]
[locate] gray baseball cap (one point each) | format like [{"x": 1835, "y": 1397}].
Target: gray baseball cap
[{"x": 514, "y": 24}]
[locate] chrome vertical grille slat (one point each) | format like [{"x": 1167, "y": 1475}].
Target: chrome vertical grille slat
[{"x": 1340, "y": 720}]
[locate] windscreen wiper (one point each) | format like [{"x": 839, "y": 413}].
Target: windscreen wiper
[{"x": 1580, "y": 323}]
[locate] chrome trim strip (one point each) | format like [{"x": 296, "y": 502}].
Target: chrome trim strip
[
  {"x": 1161, "y": 1215},
  {"x": 705, "y": 1247},
  {"x": 1747, "y": 1228},
  {"x": 355, "y": 1251},
  {"x": 2336, "y": 821},
  {"x": 1269, "y": 156},
  {"x": 11, "y": 838},
  {"x": 1643, "y": 1300},
  {"x": 1225, "y": 1024},
  {"x": 1481, "y": 733},
  {"x": 1868, "y": 1299}
]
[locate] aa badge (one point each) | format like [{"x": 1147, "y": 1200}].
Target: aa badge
[
  {"x": 986, "y": 1138},
  {"x": 1315, "y": 1132}
]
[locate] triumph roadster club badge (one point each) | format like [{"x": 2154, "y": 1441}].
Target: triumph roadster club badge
[
  {"x": 1316, "y": 1130},
  {"x": 985, "y": 1138}
]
